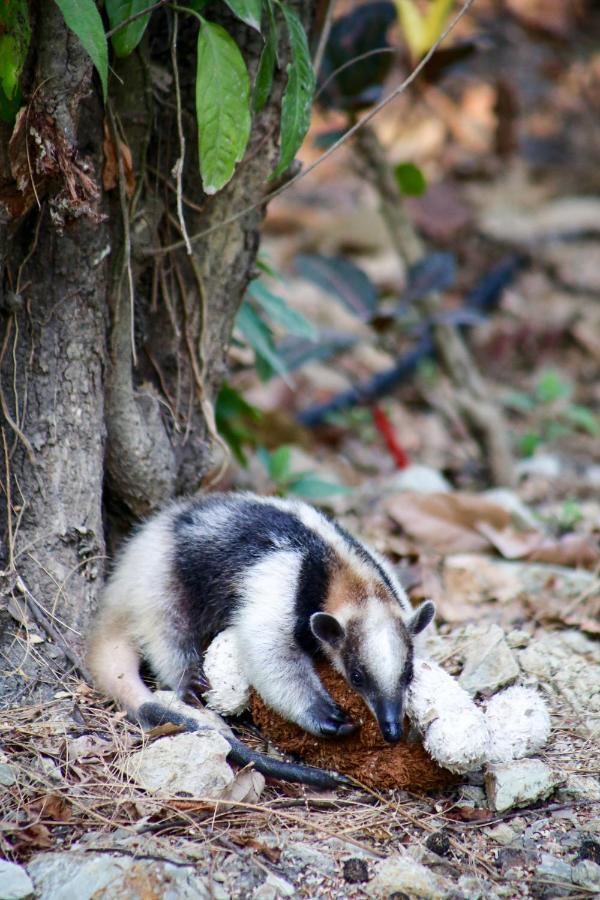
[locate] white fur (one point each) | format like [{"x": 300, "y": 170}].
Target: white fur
[{"x": 383, "y": 647}]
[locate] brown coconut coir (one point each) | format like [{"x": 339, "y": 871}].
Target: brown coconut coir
[{"x": 364, "y": 755}]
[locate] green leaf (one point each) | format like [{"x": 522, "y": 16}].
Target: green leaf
[
  {"x": 222, "y": 106},
  {"x": 127, "y": 38},
  {"x": 279, "y": 312},
  {"x": 310, "y": 486},
  {"x": 266, "y": 66},
  {"x": 435, "y": 19},
  {"x": 232, "y": 411},
  {"x": 411, "y": 180},
  {"x": 279, "y": 464},
  {"x": 583, "y": 418},
  {"x": 259, "y": 336},
  {"x": 15, "y": 34},
  {"x": 249, "y": 11},
  {"x": 529, "y": 443},
  {"x": 551, "y": 386},
  {"x": 299, "y": 90},
  {"x": 83, "y": 18},
  {"x": 413, "y": 26}
]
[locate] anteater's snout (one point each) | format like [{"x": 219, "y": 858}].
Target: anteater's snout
[{"x": 391, "y": 731}]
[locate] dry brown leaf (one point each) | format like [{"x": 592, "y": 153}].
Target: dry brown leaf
[
  {"x": 447, "y": 522},
  {"x": 569, "y": 550},
  {"x": 110, "y": 171},
  {"x": 52, "y": 808}
]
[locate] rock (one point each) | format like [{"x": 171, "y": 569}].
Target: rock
[
  {"x": 568, "y": 664},
  {"x": 587, "y": 875},
  {"x": 87, "y": 876},
  {"x": 355, "y": 871},
  {"x": 7, "y": 775},
  {"x": 502, "y": 834},
  {"x": 518, "y": 783},
  {"x": 438, "y": 843},
  {"x": 543, "y": 465},
  {"x": 273, "y": 887},
  {"x": 421, "y": 479},
  {"x": 580, "y": 787},
  {"x": 191, "y": 764},
  {"x": 517, "y": 639},
  {"x": 475, "y": 888},
  {"x": 15, "y": 883},
  {"x": 553, "y": 868},
  {"x": 403, "y": 874},
  {"x": 302, "y": 855},
  {"x": 489, "y": 664},
  {"x": 589, "y": 849}
]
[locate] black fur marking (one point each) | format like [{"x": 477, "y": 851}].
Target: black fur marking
[{"x": 209, "y": 567}]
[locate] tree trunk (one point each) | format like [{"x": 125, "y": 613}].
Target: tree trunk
[{"x": 107, "y": 407}]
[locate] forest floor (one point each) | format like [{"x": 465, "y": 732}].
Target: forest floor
[{"x": 507, "y": 148}]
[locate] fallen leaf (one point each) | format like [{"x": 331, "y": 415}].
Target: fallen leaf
[
  {"x": 52, "y": 808},
  {"x": 447, "y": 522},
  {"x": 568, "y": 550},
  {"x": 470, "y": 814}
]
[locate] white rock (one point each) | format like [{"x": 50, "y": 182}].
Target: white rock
[
  {"x": 191, "y": 763},
  {"x": 587, "y": 874},
  {"x": 519, "y": 724},
  {"x": 454, "y": 730},
  {"x": 74, "y": 875},
  {"x": 519, "y": 783},
  {"x": 8, "y": 775},
  {"x": 580, "y": 787},
  {"x": 273, "y": 887},
  {"x": 229, "y": 690},
  {"x": 402, "y": 874},
  {"x": 15, "y": 883},
  {"x": 502, "y": 834},
  {"x": 552, "y": 868},
  {"x": 420, "y": 479},
  {"x": 490, "y": 663}
]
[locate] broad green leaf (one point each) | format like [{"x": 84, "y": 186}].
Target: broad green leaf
[
  {"x": 259, "y": 336},
  {"x": 279, "y": 464},
  {"x": 15, "y": 34},
  {"x": 551, "y": 386},
  {"x": 529, "y": 443},
  {"x": 232, "y": 412},
  {"x": 279, "y": 312},
  {"x": 83, "y": 18},
  {"x": 312, "y": 487},
  {"x": 299, "y": 90},
  {"x": 435, "y": 19},
  {"x": 411, "y": 180},
  {"x": 266, "y": 66},
  {"x": 583, "y": 418},
  {"x": 127, "y": 38},
  {"x": 222, "y": 106},
  {"x": 249, "y": 11},
  {"x": 197, "y": 5},
  {"x": 413, "y": 26}
]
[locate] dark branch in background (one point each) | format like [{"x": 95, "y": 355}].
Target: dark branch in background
[
  {"x": 484, "y": 297},
  {"x": 159, "y": 251},
  {"x": 351, "y": 62}
]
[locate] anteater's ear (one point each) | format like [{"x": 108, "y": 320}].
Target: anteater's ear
[
  {"x": 421, "y": 617},
  {"x": 327, "y": 629}
]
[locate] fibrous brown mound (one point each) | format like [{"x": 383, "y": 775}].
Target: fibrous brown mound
[{"x": 364, "y": 755}]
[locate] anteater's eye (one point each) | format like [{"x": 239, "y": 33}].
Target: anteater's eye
[{"x": 356, "y": 678}]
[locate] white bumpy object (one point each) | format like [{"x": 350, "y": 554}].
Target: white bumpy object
[{"x": 456, "y": 732}]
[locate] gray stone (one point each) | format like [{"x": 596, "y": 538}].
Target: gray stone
[
  {"x": 580, "y": 787},
  {"x": 7, "y": 775},
  {"x": 476, "y": 888},
  {"x": 191, "y": 764},
  {"x": 420, "y": 479},
  {"x": 553, "y": 868},
  {"x": 568, "y": 664},
  {"x": 587, "y": 875},
  {"x": 517, "y": 639},
  {"x": 273, "y": 887},
  {"x": 302, "y": 855},
  {"x": 401, "y": 874},
  {"x": 15, "y": 883},
  {"x": 490, "y": 663},
  {"x": 503, "y": 834},
  {"x": 519, "y": 783},
  {"x": 82, "y": 876}
]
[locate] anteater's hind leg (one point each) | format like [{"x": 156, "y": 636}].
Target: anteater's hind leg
[{"x": 114, "y": 664}]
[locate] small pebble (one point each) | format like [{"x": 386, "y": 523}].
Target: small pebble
[
  {"x": 439, "y": 843},
  {"x": 356, "y": 871}
]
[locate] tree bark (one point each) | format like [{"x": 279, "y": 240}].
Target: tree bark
[{"x": 107, "y": 407}]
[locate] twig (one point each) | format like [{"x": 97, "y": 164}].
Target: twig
[
  {"x": 9, "y": 509},
  {"x": 178, "y": 167},
  {"x": 347, "y": 65},
  {"x": 360, "y": 123},
  {"x": 137, "y": 15},
  {"x": 323, "y": 38}
]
